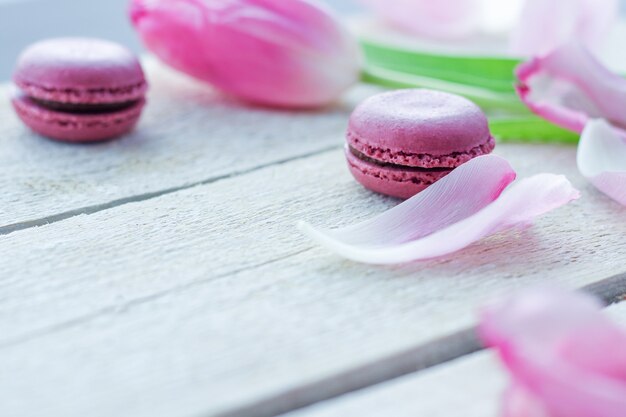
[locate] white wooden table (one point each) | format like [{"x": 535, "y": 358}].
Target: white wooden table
[{"x": 162, "y": 274}]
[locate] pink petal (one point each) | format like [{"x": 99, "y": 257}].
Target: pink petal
[
  {"x": 437, "y": 19},
  {"x": 456, "y": 211},
  {"x": 569, "y": 86},
  {"x": 519, "y": 402},
  {"x": 562, "y": 351},
  {"x": 602, "y": 159},
  {"x": 546, "y": 24},
  {"x": 273, "y": 52}
]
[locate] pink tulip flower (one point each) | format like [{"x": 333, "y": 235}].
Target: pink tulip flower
[
  {"x": 566, "y": 358},
  {"x": 271, "y": 52}
]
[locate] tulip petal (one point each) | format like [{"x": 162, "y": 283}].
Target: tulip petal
[
  {"x": 435, "y": 19},
  {"x": 519, "y": 402},
  {"x": 602, "y": 159},
  {"x": 546, "y": 24},
  {"x": 271, "y": 52},
  {"x": 564, "y": 355},
  {"x": 453, "y": 213},
  {"x": 569, "y": 87}
]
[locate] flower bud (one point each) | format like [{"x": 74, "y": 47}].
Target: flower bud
[{"x": 284, "y": 53}]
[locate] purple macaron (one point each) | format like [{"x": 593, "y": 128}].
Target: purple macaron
[
  {"x": 401, "y": 142},
  {"x": 79, "y": 89}
]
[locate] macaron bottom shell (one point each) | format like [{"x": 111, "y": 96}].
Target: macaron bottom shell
[
  {"x": 392, "y": 180},
  {"x": 76, "y": 127}
]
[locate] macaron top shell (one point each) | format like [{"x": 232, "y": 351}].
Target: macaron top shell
[
  {"x": 418, "y": 122},
  {"x": 80, "y": 70}
]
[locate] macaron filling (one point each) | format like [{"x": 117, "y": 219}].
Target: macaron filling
[
  {"x": 404, "y": 159},
  {"x": 361, "y": 156},
  {"x": 83, "y": 108}
]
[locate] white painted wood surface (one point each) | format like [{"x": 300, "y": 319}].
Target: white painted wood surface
[
  {"x": 204, "y": 299},
  {"x": 470, "y": 386}
]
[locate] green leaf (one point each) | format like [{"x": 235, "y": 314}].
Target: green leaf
[
  {"x": 491, "y": 73},
  {"x": 487, "y": 99},
  {"x": 531, "y": 129}
]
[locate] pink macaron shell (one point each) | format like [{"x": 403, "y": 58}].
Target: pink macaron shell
[
  {"x": 80, "y": 70},
  {"x": 419, "y": 127},
  {"x": 392, "y": 181},
  {"x": 70, "y": 127}
]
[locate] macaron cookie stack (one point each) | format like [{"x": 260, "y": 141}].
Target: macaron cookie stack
[
  {"x": 401, "y": 142},
  {"x": 79, "y": 89}
]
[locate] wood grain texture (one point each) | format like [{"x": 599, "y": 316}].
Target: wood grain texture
[
  {"x": 472, "y": 384},
  {"x": 187, "y": 135},
  {"x": 200, "y": 301},
  {"x": 396, "y": 365}
]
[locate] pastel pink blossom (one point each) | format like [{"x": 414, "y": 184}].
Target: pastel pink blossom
[
  {"x": 602, "y": 159},
  {"x": 569, "y": 87},
  {"x": 476, "y": 200},
  {"x": 566, "y": 358},
  {"x": 272, "y": 52},
  {"x": 547, "y": 24},
  {"x": 433, "y": 18}
]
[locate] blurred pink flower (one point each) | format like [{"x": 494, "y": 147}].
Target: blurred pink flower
[
  {"x": 433, "y": 18},
  {"x": 271, "y": 52},
  {"x": 546, "y": 24},
  {"x": 567, "y": 359}
]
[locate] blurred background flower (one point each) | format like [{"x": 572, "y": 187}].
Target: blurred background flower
[
  {"x": 543, "y": 25},
  {"x": 439, "y": 19},
  {"x": 530, "y": 27}
]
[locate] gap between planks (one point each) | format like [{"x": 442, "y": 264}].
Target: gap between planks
[
  {"x": 15, "y": 227},
  {"x": 81, "y": 320},
  {"x": 462, "y": 343}
]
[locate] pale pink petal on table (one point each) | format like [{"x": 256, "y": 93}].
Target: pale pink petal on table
[
  {"x": 272, "y": 52},
  {"x": 563, "y": 353},
  {"x": 546, "y": 24},
  {"x": 456, "y": 211},
  {"x": 519, "y": 402},
  {"x": 602, "y": 159},
  {"x": 569, "y": 87},
  {"x": 436, "y": 19}
]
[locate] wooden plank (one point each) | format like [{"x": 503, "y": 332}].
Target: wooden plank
[
  {"x": 207, "y": 299},
  {"x": 396, "y": 365},
  {"x": 188, "y": 135},
  {"x": 473, "y": 384}
]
